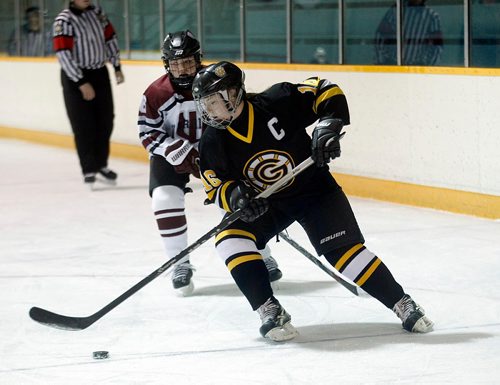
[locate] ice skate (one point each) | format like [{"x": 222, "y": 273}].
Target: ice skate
[
  {"x": 412, "y": 315},
  {"x": 109, "y": 175},
  {"x": 181, "y": 278},
  {"x": 272, "y": 267},
  {"x": 89, "y": 180},
  {"x": 276, "y": 321}
]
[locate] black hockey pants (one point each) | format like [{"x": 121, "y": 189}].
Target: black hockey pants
[{"x": 91, "y": 121}]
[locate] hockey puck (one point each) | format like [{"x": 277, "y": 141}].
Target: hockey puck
[{"x": 100, "y": 355}]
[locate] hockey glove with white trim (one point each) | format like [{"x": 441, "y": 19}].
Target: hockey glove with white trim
[
  {"x": 184, "y": 157},
  {"x": 325, "y": 143},
  {"x": 242, "y": 198}
]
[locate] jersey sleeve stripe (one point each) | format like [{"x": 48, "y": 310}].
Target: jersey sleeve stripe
[
  {"x": 153, "y": 123},
  {"x": 325, "y": 95}
]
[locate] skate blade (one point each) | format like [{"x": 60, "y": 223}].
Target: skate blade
[
  {"x": 282, "y": 333},
  {"x": 423, "y": 325},
  {"x": 109, "y": 182},
  {"x": 186, "y": 291}
]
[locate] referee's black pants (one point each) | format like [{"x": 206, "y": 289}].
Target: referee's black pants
[{"x": 91, "y": 121}]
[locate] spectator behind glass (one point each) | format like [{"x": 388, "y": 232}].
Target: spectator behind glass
[
  {"x": 319, "y": 56},
  {"x": 422, "y": 36},
  {"x": 31, "y": 40}
]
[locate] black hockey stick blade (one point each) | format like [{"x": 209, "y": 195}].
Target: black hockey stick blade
[
  {"x": 349, "y": 286},
  {"x": 59, "y": 321}
]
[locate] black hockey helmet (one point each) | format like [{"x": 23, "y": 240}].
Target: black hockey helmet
[
  {"x": 180, "y": 45},
  {"x": 218, "y": 91}
]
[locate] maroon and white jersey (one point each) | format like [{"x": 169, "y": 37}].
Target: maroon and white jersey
[{"x": 167, "y": 115}]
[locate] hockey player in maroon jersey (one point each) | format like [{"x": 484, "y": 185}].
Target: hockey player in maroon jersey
[
  {"x": 170, "y": 131},
  {"x": 251, "y": 142}
]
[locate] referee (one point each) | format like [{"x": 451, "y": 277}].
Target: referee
[{"x": 84, "y": 40}]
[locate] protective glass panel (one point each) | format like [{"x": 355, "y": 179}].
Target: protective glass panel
[
  {"x": 144, "y": 25},
  {"x": 8, "y": 27},
  {"x": 180, "y": 15},
  {"x": 221, "y": 30},
  {"x": 315, "y": 31},
  {"x": 115, "y": 10},
  {"x": 266, "y": 31},
  {"x": 485, "y": 33},
  {"x": 361, "y": 23}
]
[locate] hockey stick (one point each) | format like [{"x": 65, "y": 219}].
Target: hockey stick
[
  {"x": 59, "y": 321},
  {"x": 349, "y": 286}
]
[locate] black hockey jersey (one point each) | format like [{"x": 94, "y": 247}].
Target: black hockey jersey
[{"x": 268, "y": 139}]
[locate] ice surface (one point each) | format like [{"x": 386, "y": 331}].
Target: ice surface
[{"x": 72, "y": 251}]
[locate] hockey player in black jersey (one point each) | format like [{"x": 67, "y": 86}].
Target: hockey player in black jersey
[{"x": 251, "y": 142}]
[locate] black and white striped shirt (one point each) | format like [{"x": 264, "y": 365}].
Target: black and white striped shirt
[
  {"x": 84, "y": 40},
  {"x": 31, "y": 43},
  {"x": 422, "y": 36}
]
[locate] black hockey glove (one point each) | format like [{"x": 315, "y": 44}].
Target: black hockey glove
[
  {"x": 242, "y": 198},
  {"x": 326, "y": 140}
]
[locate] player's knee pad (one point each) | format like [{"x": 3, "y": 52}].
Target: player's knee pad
[{"x": 167, "y": 197}]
